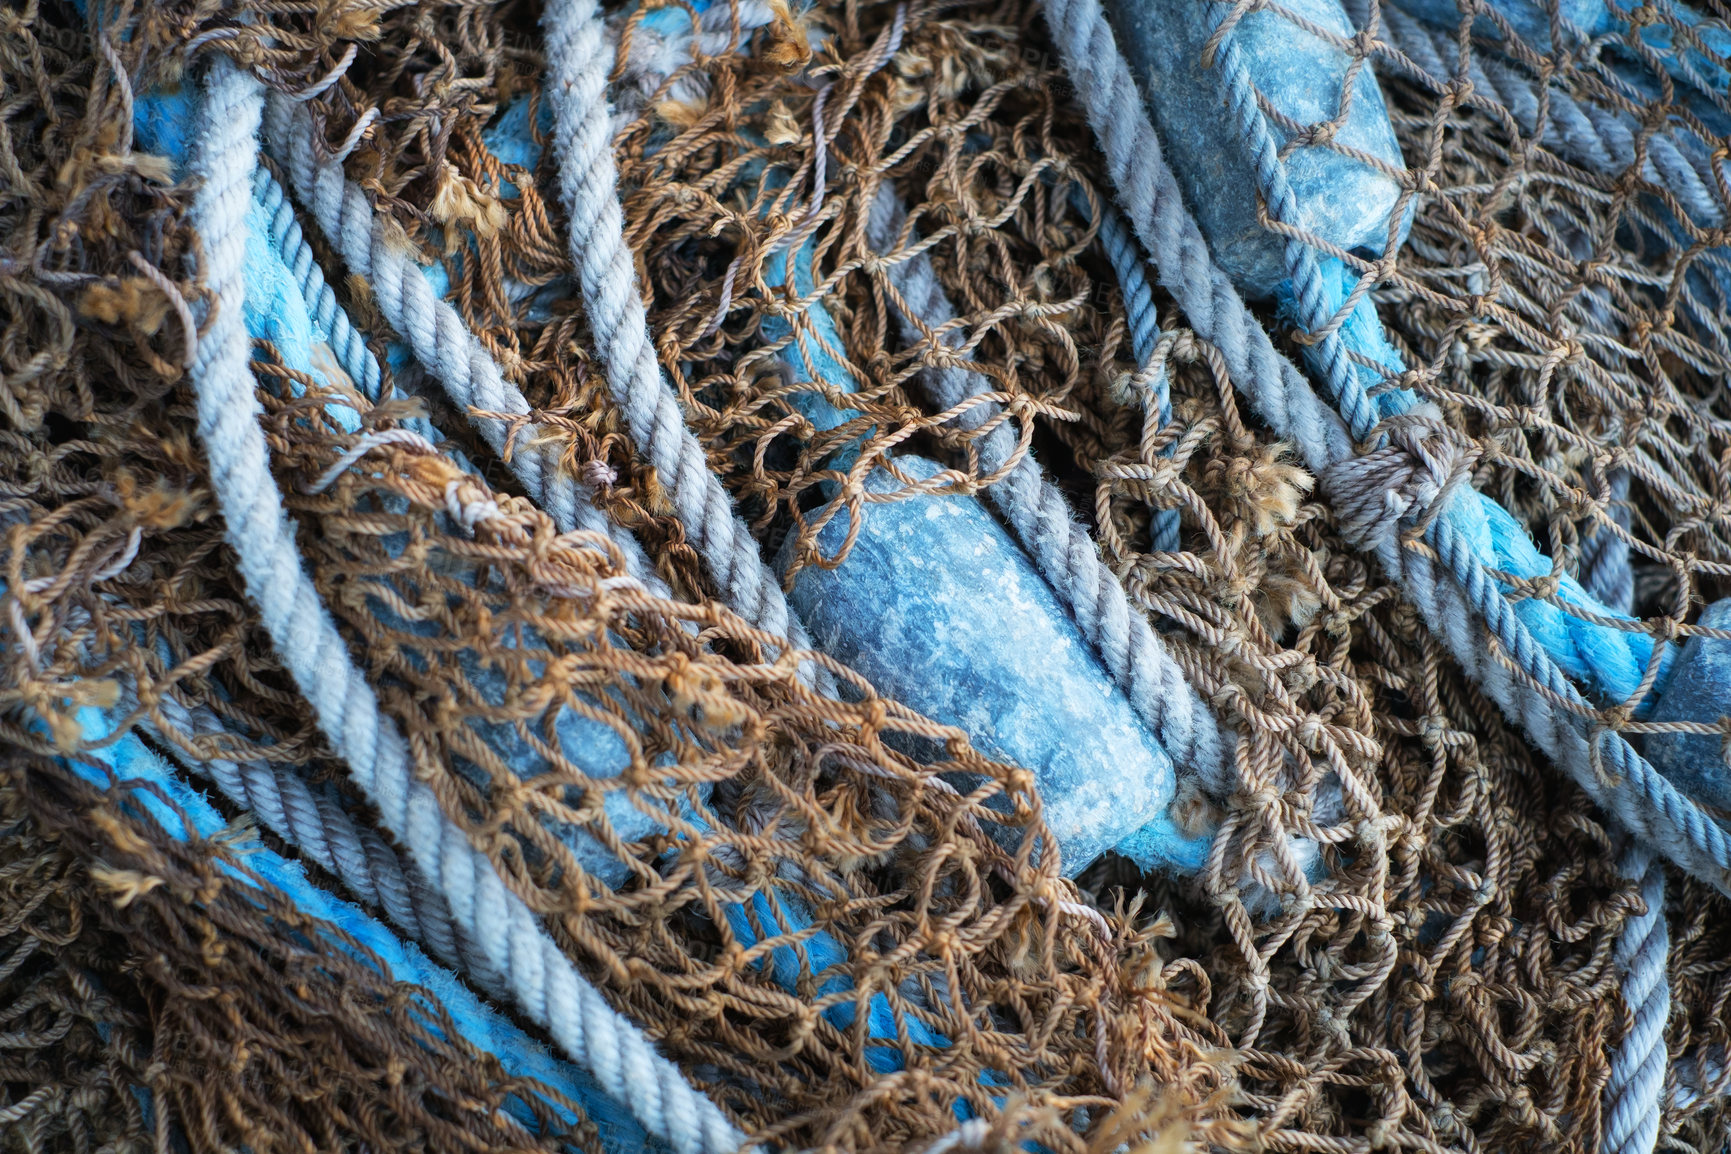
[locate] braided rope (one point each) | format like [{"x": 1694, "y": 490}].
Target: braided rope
[
  {"x": 1125, "y": 257},
  {"x": 437, "y": 335},
  {"x": 1061, "y": 546},
  {"x": 327, "y": 835},
  {"x": 1603, "y": 140},
  {"x": 578, "y": 59},
  {"x": 1611, "y": 658},
  {"x": 297, "y": 255},
  {"x": 1469, "y": 613},
  {"x": 543, "y": 982},
  {"x": 1635, "y": 1094},
  {"x": 479, "y": 1024}
]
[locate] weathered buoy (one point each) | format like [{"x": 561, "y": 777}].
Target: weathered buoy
[
  {"x": 1341, "y": 199},
  {"x": 940, "y": 607},
  {"x": 1699, "y": 691}
]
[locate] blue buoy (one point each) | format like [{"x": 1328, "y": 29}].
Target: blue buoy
[
  {"x": 1700, "y": 691},
  {"x": 940, "y": 607},
  {"x": 1342, "y": 200}
]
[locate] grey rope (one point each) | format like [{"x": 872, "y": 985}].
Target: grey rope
[
  {"x": 542, "y": 980},
  {"x": 1634, "y": 1096},
  {"x": 327, "y": 835},
  {"x": 578, "y": 59},
  {"x": 1060, "y": 545},
  {"x": 436, "y": 333}
]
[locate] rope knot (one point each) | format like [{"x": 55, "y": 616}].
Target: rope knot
[
  {"x": 467, "y": 506},
  {"x": 1410, "y": 477},
  {"x": 598, "y": 474},
  {"x": 1546, "y": 587},
  {"x": 1185, "y": 347}
]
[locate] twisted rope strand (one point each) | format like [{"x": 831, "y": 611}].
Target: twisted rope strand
[
  {"x": 1473, "y": 618},
  {"x": 1612, "y": 659},
  {"x": 1060, "y": 545},
  {"x": 436, "y": 333},
  {"x": 1126, "y": 260},
  {"x": 328, "y": 836},
  {"x": 543, "y": 982},
  {"x": 578, "y": 59},
  {"x": 1635, "y": 1094},
  {"x": 479, "y": 1023}
]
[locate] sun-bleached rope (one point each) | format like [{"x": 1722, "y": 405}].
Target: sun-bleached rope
[
  {"x": 436, "y": 333},
  {"x": 1059, "y": 544},
  {"x": 578, "y": 60},
  {"x": 1610, "y": 659},
  {"x": 1467, "y": 611},
  {"x": 324, "y": 833},
  {"x": 1151, "y": 380},
  {"x": 542, "y": 981},
  {"x": 480, "y": 1024},
  {"x": 346, "y": 341},
  {"x": 1635, "y": 1093},
  {"x": 1603, "y": 140},
  {"x": 1599, "y": 138}
]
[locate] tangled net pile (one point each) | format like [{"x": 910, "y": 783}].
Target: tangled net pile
[{"x": 1444, "y": 981}]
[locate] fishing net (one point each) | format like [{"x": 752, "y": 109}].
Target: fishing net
[
  {"x": 1559, "y": 307},
  {"x": 485, "y": 627},
  {"x": 1444, "y": 980},
  {"x": 243, "y": 1021}
]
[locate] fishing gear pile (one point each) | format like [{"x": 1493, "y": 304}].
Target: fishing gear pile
[{"x": 863, "y": 576}]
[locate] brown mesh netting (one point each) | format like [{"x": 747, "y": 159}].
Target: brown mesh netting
[
  {"x": 753, "y": 785},
  {"x": 156, "y": 987},
  {"x": 1445, "y": 981}
]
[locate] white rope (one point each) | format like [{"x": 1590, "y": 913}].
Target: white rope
[
  {"x": 437, "y": 334},
  {"x": 1061, "y": 546},
  {"x": 542, "y": 981},
  {"x": 578, "y": 59}
]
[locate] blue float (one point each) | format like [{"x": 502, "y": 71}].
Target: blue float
[
  {"x": 1341, "y": 200},
  {"x": 1700, "y": 691},
  {"x": 940, "y": 608}
]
